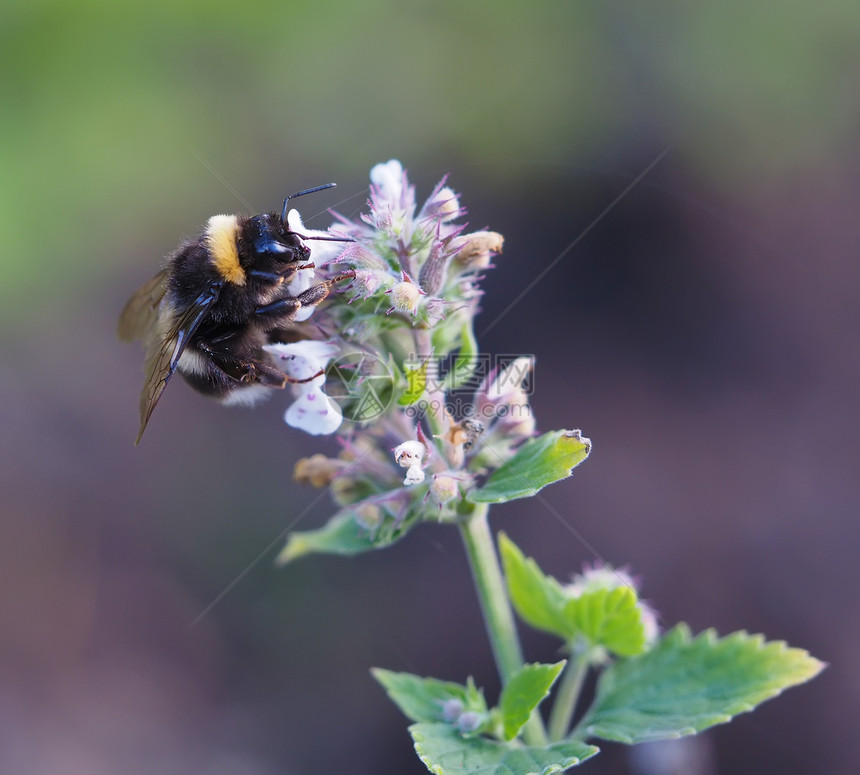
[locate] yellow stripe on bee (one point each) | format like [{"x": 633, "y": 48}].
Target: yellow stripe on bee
[{"x": 220, "y": 238}]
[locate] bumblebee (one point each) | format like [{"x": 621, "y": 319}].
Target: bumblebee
[{"x": 219, "y": 299}]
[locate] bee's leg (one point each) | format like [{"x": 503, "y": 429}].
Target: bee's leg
[
  {"x": 226, "y": 371},
  {"x": 286, "y": 308},
  {"x": 283, "y": 309},
  {"x": 276, "y": 278}
]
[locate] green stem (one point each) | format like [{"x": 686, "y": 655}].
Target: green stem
[
  {"x": 568, "y": 694},
  {"x": 498, "y": 616},
  {"x": 433, "y": 395}
]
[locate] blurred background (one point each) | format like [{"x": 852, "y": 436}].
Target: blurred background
[{"x": 703, "y": 333}]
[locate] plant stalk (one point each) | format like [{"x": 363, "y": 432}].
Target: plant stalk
[
  {"x": 568, "y": 694},
  {"x": 498, "y": 616}
]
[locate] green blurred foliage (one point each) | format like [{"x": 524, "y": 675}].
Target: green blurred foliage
[{"x": 125, "y": 125}]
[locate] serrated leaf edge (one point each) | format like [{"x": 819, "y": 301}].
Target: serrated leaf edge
[{"x": 681, "y": 635}]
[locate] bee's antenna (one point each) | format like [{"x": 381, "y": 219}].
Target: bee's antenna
[{"x": 313, "y": 190}]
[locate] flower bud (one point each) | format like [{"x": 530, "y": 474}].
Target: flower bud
[
  {"x": 475, "y": 250},
  {"x": 405, "y": 296},
  {"x": 600, "y": 576},
  {"x": 366, "y": 284},
  {"x": 451, "y": 710},
  {"x": 368, "y": 515},
  {"x": 432, "y": 276},
  {"x": 388, "y": 179},
  {"x": 317, "y": 470},
  {"x": 442, "y": 204},
  {"x": 444, "y": 487},
  {"x": 469, "y": 721}
]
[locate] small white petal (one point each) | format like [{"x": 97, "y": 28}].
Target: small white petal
[
  {"x": 321, "y": 250},
  {"x": 315, "y": 413},
  {"x": 302, "y": 280},
  {"x": 303, "y": 314},
  {"x": 302, "y": 360},
  {"x": 414, "y": 475},
  {"x": 388, "y": 178}
]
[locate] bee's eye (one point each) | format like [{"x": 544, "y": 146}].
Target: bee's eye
[
  {"x": 265, "y": 243},
  {"x": 271, "y": 246}
]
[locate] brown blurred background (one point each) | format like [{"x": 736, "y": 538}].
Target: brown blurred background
[{"x": 703, "y": 333}]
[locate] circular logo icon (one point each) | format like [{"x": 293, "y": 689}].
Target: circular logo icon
[{"x": 362, "y": 384}]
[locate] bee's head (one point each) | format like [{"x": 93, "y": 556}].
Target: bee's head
[{"x": 272, "y": 244}]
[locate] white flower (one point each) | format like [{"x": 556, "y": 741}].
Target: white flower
[
  {"x": 392, "y": 201},
  {"x": 410, "y": 455},
  {"x": 322, "y": 250},
  {"x": 312, "y": 411},
  {"x": 388, "y": 179}
]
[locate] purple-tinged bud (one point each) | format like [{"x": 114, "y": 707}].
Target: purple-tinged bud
[
  {"x": 442, "y": 204},
  {"x": 432, "y": 276},
  {"x": 469, "y": 721},
  {"x": 366, "y": 284},
  {"x": 600, "y": 576},
  {"x": 452, "y": 710}
]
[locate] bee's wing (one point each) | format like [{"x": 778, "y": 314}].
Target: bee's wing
[
  {"x": 138, "y": 317},
  {"x": 163, "y": 351}
]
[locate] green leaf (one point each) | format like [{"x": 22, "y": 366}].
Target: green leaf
[
  {"x": 416, "y": 383},
  {"x": 538, "y": 599},
  {"x": 424, "y": 699},
  {"x": 609, "y": 618},
  {"x": 539, "y": 462},
  {"x": 373, "y": 523},
  {"x": 684, "y": 685},
  {"x": 523, "y": 693},
  {"x": 445, "y": 752}
]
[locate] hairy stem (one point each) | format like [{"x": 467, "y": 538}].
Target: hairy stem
[
  {"x": 568, "y": 694},
  {"x": 498, "y": 616}
]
